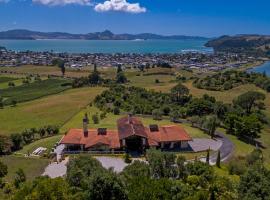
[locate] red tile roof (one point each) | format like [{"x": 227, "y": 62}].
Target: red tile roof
[
  {"x": 129, "y": 126},
  {"x": 169, "y": 134},
  {"x": 76, "y": 136},
  {"x": 126, "y": 127}
]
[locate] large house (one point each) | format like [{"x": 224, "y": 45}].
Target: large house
[{"x": 131, "y": 135}]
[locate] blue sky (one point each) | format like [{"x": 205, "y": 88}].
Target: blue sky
[{"x": 187, "y": 17}]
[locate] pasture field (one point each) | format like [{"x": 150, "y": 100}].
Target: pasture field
[
  {"x": 34, "y": 90},
  {"x": 4, "y": 79},
  {"x": 51, "y": 110},
  {"x": 45, "y": 71},
  {"x": 32, "y": 167}
]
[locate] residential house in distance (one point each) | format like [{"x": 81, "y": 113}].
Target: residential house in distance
[{"x": 131, "y": 135}]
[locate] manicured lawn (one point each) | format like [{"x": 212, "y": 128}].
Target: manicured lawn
[
  {"x": 46, "y": 143},
  {"x": 34, "y": 90},
  {"x": 32, "y": 167},
  {"x": 51, "y": 110}
]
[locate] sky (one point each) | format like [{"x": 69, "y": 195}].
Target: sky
[{"x": 210, "y": 18}]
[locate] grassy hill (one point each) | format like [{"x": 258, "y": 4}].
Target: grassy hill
[{"x": 250, "y": 44}]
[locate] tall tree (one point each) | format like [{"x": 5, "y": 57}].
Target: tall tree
[
  {"x": 94, "y": 77},
  {"x": 250, "y": 100},
  {"x": 218, "y": 159},
  {"x": 179, "y": 91},
  {"x": 210, "y": 125}
]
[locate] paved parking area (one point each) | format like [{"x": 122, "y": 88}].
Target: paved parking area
[
  {"x": 117, "y": 164},
  {"x": 55, "y": 170},
  {"x": 199, "y": 144}
]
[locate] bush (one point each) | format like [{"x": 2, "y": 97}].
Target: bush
[
  {"x": 116, "y": 111},
  {"x": 95, "y": 118},
  {"x": 127, "y": 158},
  {"x": 103, "y": 115},
  {"x": 236, "y": 167}
]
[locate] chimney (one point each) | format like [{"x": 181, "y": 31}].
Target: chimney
[{"x": 85, "y": 125}]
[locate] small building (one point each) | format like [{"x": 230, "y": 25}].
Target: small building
[{"x": 131, "y": 136}]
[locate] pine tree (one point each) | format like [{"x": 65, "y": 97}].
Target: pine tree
[
  {"x": 218, "y": 160},
  {"x": 208, "y": 156}
]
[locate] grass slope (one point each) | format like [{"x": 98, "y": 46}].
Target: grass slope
[
  {"x": 46, "y": 143},
  {"x": 32, "y": 167},
  {"x": 4, "y": 79},
  {"x": 54, "y": 110},
  {"x": 34, "y": 90}
]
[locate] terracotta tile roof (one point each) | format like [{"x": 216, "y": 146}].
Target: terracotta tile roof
[
  {"x": 76, "y": 136},
  {"x": 169, "y": 134},
  {"x": 128, "y": 126}
]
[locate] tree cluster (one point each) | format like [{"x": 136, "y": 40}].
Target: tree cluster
[
  {"x": 230, "y": 79},
  {"x": 16, "y": 141}
]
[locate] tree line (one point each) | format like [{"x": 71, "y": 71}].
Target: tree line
[
  {"x": 164, "y": 176},
  {"x": 95, "y": 79},
  {"x": 16, "y": 141}
]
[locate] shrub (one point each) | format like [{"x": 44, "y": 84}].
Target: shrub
[
  {"x": 127, "y": 158},
  {"x": 95, "y": 118},
  {"x": 236, "y": 167},
  {"x": 116, "y": 111}
]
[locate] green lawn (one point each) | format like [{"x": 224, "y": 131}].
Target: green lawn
[
  {"x": 46, "y": 143},
  {"x": 32, "y": 167},
  {"x": 51, "y": 110},
  {"x": 34, "y": 90}
]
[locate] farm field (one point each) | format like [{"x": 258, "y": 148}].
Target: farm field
[
  {"x": 34, "y": 90},
  {"x": 32, "y": 167},
  {"x": 44, "y": 71},
  {"x": 51, "y": 110}
]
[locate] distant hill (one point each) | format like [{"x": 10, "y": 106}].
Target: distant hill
[
  {"x": 21, "y": 34},
  {"x": 250, "y": 44},
  {"x": 2, "y": 48}
]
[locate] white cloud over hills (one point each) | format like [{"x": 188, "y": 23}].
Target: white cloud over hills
[
  {"x": 61, "y": 2},
  {"x": 119, "y": 5},
  {"x": 107, "y": 5}
]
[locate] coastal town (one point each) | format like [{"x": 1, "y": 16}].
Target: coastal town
[{"x": 188, "y": 60}]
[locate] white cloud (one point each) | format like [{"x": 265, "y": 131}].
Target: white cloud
[
  {"x": 61, "y": 2},
  {"x": 119, "y": 5}
]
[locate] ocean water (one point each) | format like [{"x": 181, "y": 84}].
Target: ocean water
[
  {"x": 110, "y": 46},
  {"x": 262, "y": 68}
]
